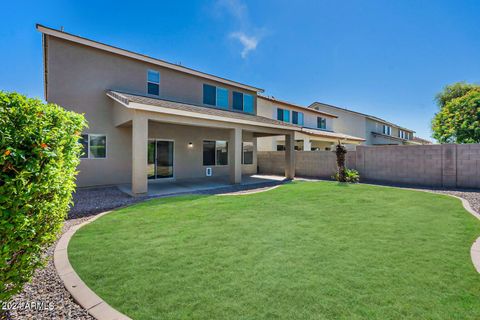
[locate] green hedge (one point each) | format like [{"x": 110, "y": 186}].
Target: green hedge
[{"x": 39, "y": 153}]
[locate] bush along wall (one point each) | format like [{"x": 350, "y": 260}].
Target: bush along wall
[{"x": 39, "y": 153}]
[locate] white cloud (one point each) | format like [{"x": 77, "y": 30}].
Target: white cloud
[
  {"x": 248, "y": 36},
  {"x": 249, "y": 43}
]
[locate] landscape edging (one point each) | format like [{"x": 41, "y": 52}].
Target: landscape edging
[{"x": 80, "y": 292}]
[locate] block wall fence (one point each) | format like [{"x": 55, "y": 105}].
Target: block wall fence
[{"x": 447, "y": 165}]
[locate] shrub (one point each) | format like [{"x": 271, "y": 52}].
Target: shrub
[
  {"x": 39, "y": 153},
  {"x": 351, "y": 176}
]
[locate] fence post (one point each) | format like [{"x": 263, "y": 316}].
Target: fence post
[
  {"x": 360, "y": 160},
  {"x": 449, "y": 165}
]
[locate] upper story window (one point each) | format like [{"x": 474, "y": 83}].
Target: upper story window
[
  {"x": 321, "y": 123},
  {"x": 402, "y": 134},
  {"x": 153, "y": 82},
  {"x": 215, "y": 96},
  {"x": 297, "y": 118},
  {"x": 387, "y": 130},
  {"x": 242, "y": 102},
  {"x": 283, "y": 115}
]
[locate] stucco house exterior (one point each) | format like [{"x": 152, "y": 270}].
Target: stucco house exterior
[
  {"x": 317, "y": 127},
  {"x": 374, "y": 130},
  {"x": 151, "y": 120}
]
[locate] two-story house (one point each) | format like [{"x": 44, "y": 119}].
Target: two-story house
[
  {"x": 373, "y": 130},
  {"x": 151, "y": 120},
  {"x": 317, "y": 127}
]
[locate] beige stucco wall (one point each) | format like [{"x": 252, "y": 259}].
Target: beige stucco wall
[
  {"x": 347, "y": 122},
  {"x": 188, "y": 162},
  {"x": 77, "y": 79}
]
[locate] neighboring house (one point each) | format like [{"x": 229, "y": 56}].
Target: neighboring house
[
  {"x": 374, "y": 130},
  {"x": 153, "y": 120},
  {"x": 317, "y": 126}
]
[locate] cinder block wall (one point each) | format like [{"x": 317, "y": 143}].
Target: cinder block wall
[
  {"x": 447, "y": 165},
  {"x": 320, "y": 164}
]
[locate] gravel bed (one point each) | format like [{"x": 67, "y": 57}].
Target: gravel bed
[
  {"x": 91, "y": 201},
  {"x": 473, "y": 197},
  {"x": 46, "y": 286}
]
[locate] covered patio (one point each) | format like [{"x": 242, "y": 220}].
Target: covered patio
[{"x": 190, "y": 127}]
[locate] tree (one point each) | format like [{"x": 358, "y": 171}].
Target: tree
[
  {"x": 340, "y": 151},
  {"x": 458, "y": 120},
  {"x": 39, "y": 153}
]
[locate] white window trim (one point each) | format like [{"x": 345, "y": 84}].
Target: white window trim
[
  {"x": 388, "y": 131},
  {"x": 88, "y": 146},
  {"x": 319, "y": 127},
  {"x": 148, "y": 81}
]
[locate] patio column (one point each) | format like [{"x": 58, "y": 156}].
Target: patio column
[
  {"x": 290, "y": 155},
  {"x": 139, "y": 154},
  {"x": 235, "y": 155},
  {"x": 307, "y": 144}
]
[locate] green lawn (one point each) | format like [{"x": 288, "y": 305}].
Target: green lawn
[{"x": 306, "y": 250}]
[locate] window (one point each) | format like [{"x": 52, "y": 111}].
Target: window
[
  {"x": 208, "y": 153},
  {"x": 297, "y": 118},
  {"x": 84, "y": 142},
  {"x": 215, "y": 96},
  {"x": 94, "y": 146},
  {"x": 387, "y": 130},
  {"x": 242, "y": 102},
  {"x": 222, "y": 98},
  {"x": 321, "y": 123},
  {"x": 283, "y": 115},
  {"x": 215, "y": 153},
  {"x": 247, "y": 154},
  {"x": 248, "y": 103},
  {"x": 404, "y": 134},
  {"x": 222, "y": 153},
  {"x": 209, "y": 95},
  {"x": 280, "y": 147},
  {"x": 153, "y": 82}
]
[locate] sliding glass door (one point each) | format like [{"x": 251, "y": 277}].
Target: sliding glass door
[{"x": 160, "y": 159}]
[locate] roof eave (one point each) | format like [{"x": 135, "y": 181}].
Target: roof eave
[{"x": 95, "y": 44}]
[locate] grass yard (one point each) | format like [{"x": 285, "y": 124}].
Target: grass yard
[{"x": 306, "y": 250}]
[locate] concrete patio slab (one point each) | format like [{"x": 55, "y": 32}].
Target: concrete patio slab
[{"x": 185, "y": 186}]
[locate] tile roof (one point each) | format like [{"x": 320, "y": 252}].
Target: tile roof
[
  {"x": 296, "y": 106},
  {"x": 127, "y": 98}
]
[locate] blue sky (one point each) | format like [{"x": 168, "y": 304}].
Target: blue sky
[{"x": 385, "y": 58}]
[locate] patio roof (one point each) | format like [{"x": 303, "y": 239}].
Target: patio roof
[
  {"x": 141, "y": 102},
  {"x": 331, "y": 135}
]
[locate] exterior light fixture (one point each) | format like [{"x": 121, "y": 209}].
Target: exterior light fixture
[{"x": 190, "y": 145}]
